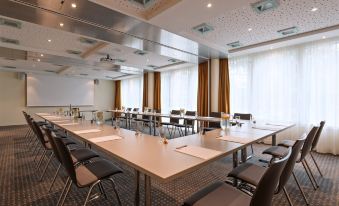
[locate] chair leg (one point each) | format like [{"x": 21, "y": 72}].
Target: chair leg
[
  {"x": 115, "y": 190},
  {"x": 90, "y": 191},
  {"x": 311, "y": 173},
  {"x": 309, "y": 177},
  {"x": 66, "y": 193},
  {"x": 41, "y": 158},
  {"x": 287, "y": 196},
  {"x": 54, "y": 178},
  {"x": 102, "y": 190},
  {"x": 45, "y": 169},
  {"x": 316, "y": 164},
  {"x": 300, "y": 188},
  {"x": 63, "y": 190}
]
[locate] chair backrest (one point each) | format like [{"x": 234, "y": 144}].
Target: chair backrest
[
  {"x": 288, "y": 169},
  {"x": 317, "y": 136},
  {"x": 66, "y": 158},
  {"x": 38, "y": 133},
  {"x": 267, "y": 185},
  {"x": 149, "y": 110},
  {"x": 135, "y": 115},
  {"x": 243, "y": 116},
  {"x": 215, "y": 124},
  {"x": 308, "y": 143},
  {"x": 51, "y": 140},
  {"x": 175, "y": 120},
  {"x": 129, "y": 109},
  {"x": 190, "y": 113}
]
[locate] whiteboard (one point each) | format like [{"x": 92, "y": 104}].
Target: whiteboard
[{"x": 47, "y": 90}]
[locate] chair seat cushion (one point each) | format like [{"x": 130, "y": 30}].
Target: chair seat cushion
[
  {"x": 82, "y": 154},
  {"x": 67, "y": 141},
  {"x": 248, "y": 172},
  {"x": 90, "y": 173},
  {"x": 218, "y": 194},
  {"x": 167, "y": 123},
  {"x": 276, "y": 151},
  {"x": 287, "y": 143}
]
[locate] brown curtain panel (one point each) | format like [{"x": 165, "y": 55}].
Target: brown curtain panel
[
  {"x": 224, "y": 87},
  {"x": 202, "y": 102},
  {"x": 117, "y": 99},
  {"x": 145, "y": 92},
  {"x": 157, "y": 91}
]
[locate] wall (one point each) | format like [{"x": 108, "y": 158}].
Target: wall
[{"x": 13, "y": 99}]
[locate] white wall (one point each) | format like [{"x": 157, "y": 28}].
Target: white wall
[
  {"x": 214, "y": 84},
  {"x": 13, "y": 99}
]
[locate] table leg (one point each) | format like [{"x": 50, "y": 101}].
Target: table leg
[
  {"x": 185, "y": 127},
  {"x": 235, "y": 159},
  {"x": 150, "y": 124},
  {"x": 148, "y": 185},
  {"x": 198, "y": 129},
  {"x": 274, "y": 140},
  {"x": 137, "y": 185},
  {"x": 244, "y": 154},
  {"x": 155, "y": 125}
]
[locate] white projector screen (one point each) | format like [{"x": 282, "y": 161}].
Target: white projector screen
[{"x": 44, "y": 90}]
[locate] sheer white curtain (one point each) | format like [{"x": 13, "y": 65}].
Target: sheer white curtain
[
  {"x": 296, "y": 84},
  {"x": 131, "y": 92},
  {"x": 179, "y": 89}
]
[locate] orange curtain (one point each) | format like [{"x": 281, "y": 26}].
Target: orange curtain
[
  {"x": 203, "y": 89},
  {"x": 145, "y": 92},
  {"x": 157, "y": 91},
  {"x": 117, "y": 99},
  {"x": 224, "y": 87}
]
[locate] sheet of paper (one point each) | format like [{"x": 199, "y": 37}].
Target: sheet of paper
[
  {"x": 271, "y": 128},
  {"x": 68, "y": 124},
  {"x": 199, "y": 152},
  {"x": 86, "y": 131},
  {"x": 276, "y": 124},
  {"x": 43, "y": 114},
  {"x": 60, "y": 121},
  {"x": 105, "y": 138},
  {"x": 52, "y": 117},
  {"x": 241, "y": 140}
]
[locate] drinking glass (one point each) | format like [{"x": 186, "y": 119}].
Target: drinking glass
[
  {"x": 201, "y": 128},
  {"x": 223, "y": 124}
]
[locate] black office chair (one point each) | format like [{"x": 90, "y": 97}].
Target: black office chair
[
  {"x": 171, "y": 124},
  {"x": 243, "y": 116},
  {"x": 223, "y": 194},
  {"x": 124, "y": 117},
  {"x": 134, "y": 116},
  {"x": 315, "y": 143},
  {"x": 88, "y": 175},
  {"x": 145, "y": 119},
  {"x": 250, "y": 173},
  {"x": 189, "y": 123}
]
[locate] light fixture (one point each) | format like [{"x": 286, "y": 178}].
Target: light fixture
[
  {"x": 41, "y": 55},
  {"x": 61, "y": 24},
  {"x": 249, "y": 29},
  {"x": 49, "y": 40},
  {"x": 271, "y": 48},
  {"x": 209, "y": 5},
  {"x": 74, "y": 5},
  {"x": 324, "y": 37},
  {"x": 38, "y": 60},
  {"x": 147, "y": 60},
  {"x": 314, "y": 9}
]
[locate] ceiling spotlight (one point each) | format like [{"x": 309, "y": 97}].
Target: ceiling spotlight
[
  {"x": 324, "y": 37},
  {"x": 38, "y": 60},
  {"x": 49, "y": 40},
  {"x": 271, "y": 48},
  {"x": 209, "y": 5},
  {"x": 61, "y": 24},
  {"x": 74, "y": 5},
  {"x": 147, "y": 60},
  {"x": 314, "y": 9},
  {"x": 249, "y": 29},
  {"x": 41, "y": 55}
]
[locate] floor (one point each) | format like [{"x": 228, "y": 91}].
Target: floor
[{"x": 19, "y": 183}]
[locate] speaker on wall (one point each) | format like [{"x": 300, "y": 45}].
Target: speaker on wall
[
  {"x": 21, "y": 75},
  {"x": 96, "y": 81}
]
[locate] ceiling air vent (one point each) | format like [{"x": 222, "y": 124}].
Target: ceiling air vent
[
  {"x": 9, "y": 67},
  {"x": 87, "y": 41},
  {"x": 9, "y": 41},
  {"x": 152, "y": 66},
  {"x": 74, "y": 52},
  {"x": 173, "y": 60},
  {"x": 235, "y": 44},
  {"x": 82, "y": 74},
  {"x": 203, "y": 28},
  {"x": 10, "y": 23},
  {"x": 140, "y": 52},
  {"x": 288, "y": 31},
  {"x": 50, "y": 71},
  {"x": 144, "y": 3},
  {"x": 265, "y": 5}
]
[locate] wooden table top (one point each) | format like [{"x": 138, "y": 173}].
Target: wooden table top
[{"x": 150, "y": 156}]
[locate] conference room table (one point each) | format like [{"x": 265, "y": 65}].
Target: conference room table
[
  {"x": 152, "y": 117},
  {"x": 150, "y": 156}
]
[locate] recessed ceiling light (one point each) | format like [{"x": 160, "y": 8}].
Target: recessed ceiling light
[
  {"x": 38, "y": 60},
  {"x": 41, "y": 55},
  {"x": 271, "y": 48},
  {"x": 147, "y": 60},
  {"x": 61, "y": 24},
  {"x": 209, "y": 5},
  {"x": 249, "y": 29},
  {"x": 314, "y": 9},
  {"x": 74, "y": 5},
  {"x": 49, "y": 40},
  {"x": 324, "y": 37}
]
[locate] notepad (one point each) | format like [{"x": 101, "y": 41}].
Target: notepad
[
  {"x": 266, "y": 128},
  {"x": 87, "y": 131},
  {"x": 68, "y": 124},
  {"x": 43, "y": 114},
  {"x": 60, "y": 121},
  {"x": 105, "y": 138},
  {"x": 240, "y": 140},
  {"x": 52, "y": 117},
  {"x": 199, "y": 152}
]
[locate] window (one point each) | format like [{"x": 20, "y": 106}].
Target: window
[
  {"x": 131, "y": 92},
  {"x": 179, "y": 89},
  {"x": 297, "y": 84}
]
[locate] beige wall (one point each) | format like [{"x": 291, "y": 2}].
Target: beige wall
[
  {"x": 13, "y": 99},
  {"x": 214, "y": 84}
]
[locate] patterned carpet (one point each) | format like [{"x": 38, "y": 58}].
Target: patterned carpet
[{"x": 19, "y": 183}]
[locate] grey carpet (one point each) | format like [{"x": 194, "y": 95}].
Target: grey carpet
[{"x": 19, "y": 183}]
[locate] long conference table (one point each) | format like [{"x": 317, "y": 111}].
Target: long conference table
[{"x": 149, "y": 156}]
